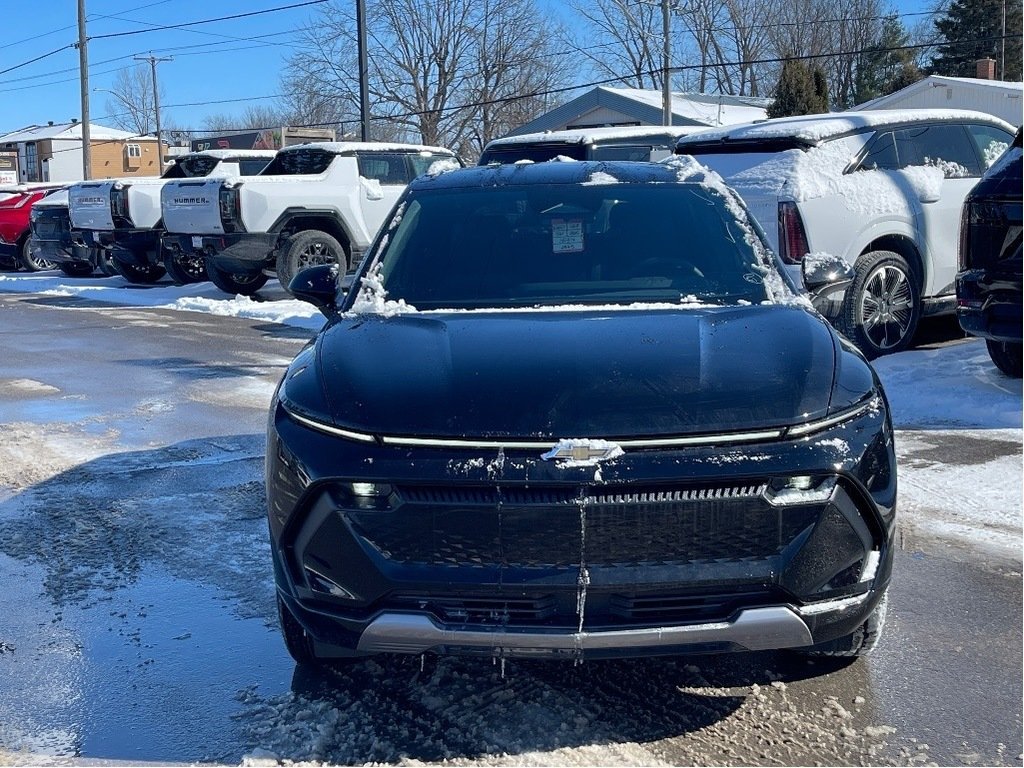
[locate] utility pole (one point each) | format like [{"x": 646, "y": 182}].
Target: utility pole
[
  {"x": 364, "y": 89},
  {"x": 83, "y": 77},
  {"x": 153, "y": 60},
  {"x": 1002, "y": 65},
  {"x": 666, "y": 64}
]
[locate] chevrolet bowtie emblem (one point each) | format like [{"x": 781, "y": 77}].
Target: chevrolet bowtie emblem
[{"x": 583, "y": 451}]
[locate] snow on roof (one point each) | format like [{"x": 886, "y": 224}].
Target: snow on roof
[
  {"x": 998, "y": 84},
  {"x": 817, "y": 128},
  {"x": 590, "y": 135},
  {"x": 708, "y": 109},
  {"x": 344, "y": 147},
  {"x": 69, "y": 131}
]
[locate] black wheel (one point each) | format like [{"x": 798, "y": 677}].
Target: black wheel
[
  {"x": 308, "y": 249},
  {"x": 245, "y": 283},
  {"x": 882, "y": 306},
  {"x": 146, "y": 275},
  {"x": 29, "y": 262},
  {"x": 298, "y": 643},
  {"x": 1006, "y": 356},
  {"x": 860, "y": 642},
  {"x": 76, "y": 268},
  {"x": 184, "y": 268},
  {"x": 104, "y": 262}
]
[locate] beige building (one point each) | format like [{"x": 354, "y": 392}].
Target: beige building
[{"x": 53, "y": 152}]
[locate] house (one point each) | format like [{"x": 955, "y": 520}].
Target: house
[
  {"x": 982, "y": 94},
  {"x": 604, "y": 107},
  {"x": 53, "y": 152}
]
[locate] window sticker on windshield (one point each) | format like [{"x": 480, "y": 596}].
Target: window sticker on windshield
[{"x": 567, "y": 235}]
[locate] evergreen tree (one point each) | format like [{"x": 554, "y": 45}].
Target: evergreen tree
[
  {"x": 800, "y": 91},
  {"x": 882, "y": 69},
  {"x": 971, "y": 20}
]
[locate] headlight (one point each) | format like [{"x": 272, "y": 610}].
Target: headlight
[
  {"x": 799, "y": 489},
  {"x": 326, "y": 428}
]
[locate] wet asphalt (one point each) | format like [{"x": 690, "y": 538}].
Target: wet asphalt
[{"x": 137, "y": 618}]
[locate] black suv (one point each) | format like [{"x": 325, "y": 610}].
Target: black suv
[{"x": 988, "y": 285}]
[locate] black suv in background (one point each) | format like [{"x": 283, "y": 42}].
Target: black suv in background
[{"x": 988, "y": 285}]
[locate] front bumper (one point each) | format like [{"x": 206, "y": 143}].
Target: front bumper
[
  {"x": 511, "y": 556},
  {"x": 989, "y": 303},
  {"x": 240, "y": 252}
]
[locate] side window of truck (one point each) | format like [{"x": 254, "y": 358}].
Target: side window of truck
[{"x": 385, "y": 167}]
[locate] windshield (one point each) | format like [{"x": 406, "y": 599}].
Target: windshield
[
  {"x": 545, "y": 245},
  {"x": 192, "y": 167},
  {"x": 298, "y": 162}
]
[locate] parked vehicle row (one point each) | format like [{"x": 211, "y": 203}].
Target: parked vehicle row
[
  {"x": 235, "y": 217},
  {"x": 16, "y": 204}
]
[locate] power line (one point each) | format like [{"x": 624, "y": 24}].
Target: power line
[
  {"x": 182, "y": 25},
  {"x": 185, "y": 24},
  {"x": 602, "y": 81}
]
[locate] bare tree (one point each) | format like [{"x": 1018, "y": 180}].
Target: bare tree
[
  {"x": 254, "y": 117},
  {"x": 621, "y": 38},
  {"x": 433, "y": 64},
  {"x": 131, "y": 107}
]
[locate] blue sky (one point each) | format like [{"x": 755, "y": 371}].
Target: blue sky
[{"x": 208, "y": 66}]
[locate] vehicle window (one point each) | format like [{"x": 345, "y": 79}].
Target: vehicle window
[
  {"x": 421, "y": 161},
  {"x": 880, "y": 154},
  {"x": 252, "y": 166},
  {"x": 191, "y": 167},
  {"x": 945, "y": 146},
  {"x": 991, "y": 142},
  {"x": 567, "y": 244},
  {"x": 535, "y": 153},
  {"x": 299, "y": 162},
  {"x": 636, "y": 153},
  {"x": 385, "y": 167}
]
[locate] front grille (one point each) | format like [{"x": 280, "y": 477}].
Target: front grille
[
  {"x": 603, "y": 609},
  {"x": 564, "y": 528}
]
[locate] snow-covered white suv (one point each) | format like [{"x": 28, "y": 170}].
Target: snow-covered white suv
[
  {"x": 882, "y": 190},
  {"x": 314, "y": 204}
]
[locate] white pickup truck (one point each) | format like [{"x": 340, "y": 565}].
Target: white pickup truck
[
  {"x": 314, "y": 204},
  {"x": 122, "y": 216}
]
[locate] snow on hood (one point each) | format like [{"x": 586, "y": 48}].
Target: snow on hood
[{"x": 348, "y": 147}]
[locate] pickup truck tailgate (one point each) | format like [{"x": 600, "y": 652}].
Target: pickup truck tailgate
[
  {"x": 89, "y": 205},
  {"x": 192, "y": 206}
]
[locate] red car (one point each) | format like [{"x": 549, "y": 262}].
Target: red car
[{"x": 15, "y": 226}]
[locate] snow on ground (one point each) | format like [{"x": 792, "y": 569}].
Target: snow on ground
[
  {"x": 954, "y": 395},
  {"x": 199, "y": 297}
]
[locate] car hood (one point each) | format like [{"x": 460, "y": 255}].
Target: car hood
[{"x": 601, "y": 374}]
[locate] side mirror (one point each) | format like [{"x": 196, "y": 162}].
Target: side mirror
[
  {"x": 825, "y": 274},
  {"x": 319, "y": 286}
]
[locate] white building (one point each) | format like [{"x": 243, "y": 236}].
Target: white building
[
  {"x": 607, "y": 107},
  {"x": 53, "y": 152},
  {"x": 936, "y": 92}
]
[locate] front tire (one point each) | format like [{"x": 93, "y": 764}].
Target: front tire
[
  {"x": 1007, "y": 356},
  {"x": 298, "y": 643},
  {"x": 29, "y": 262},
  {"x": 308, "y": 249},
  {"x": 882, "y": 306},
  {"x": 244, "y": 283},
  {"x": 861, "y": 642}
]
